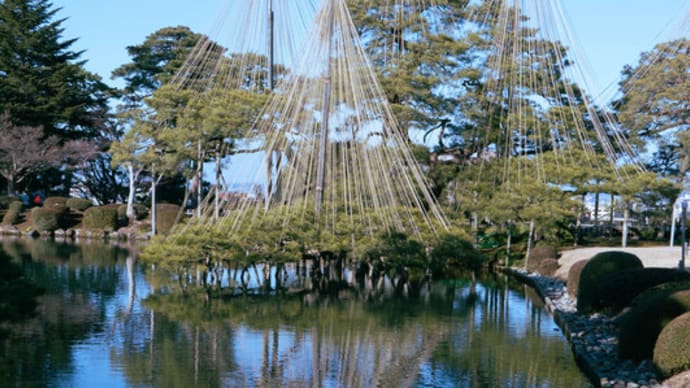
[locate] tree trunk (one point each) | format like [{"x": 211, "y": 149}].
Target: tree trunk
[
  {"x": 183, "y": 208},
  {"x": 611, "y": 211},
  {"x": 200, "y": 178},
  {"x": 626, "y": 214},
  {"x": 596, "y": 208},
  {"x": 216, "y": 199},
  {"x": 132, "y": 191},
  {"x": 530, "y": 237},
  {"x": 153, "y": 201},
  {"x": 475, "y": 229},
  {"x": 508, "y": 248}
]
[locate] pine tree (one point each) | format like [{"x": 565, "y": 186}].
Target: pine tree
[{"x": 42, "y": 81}]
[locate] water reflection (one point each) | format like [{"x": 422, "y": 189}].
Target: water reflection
[{"x": 101, "y": 323}]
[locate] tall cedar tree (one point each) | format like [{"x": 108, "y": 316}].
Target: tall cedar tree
[{"x": 42, "y": 82}]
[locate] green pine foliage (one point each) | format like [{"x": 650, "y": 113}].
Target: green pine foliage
[{"x": 44, "y": 83}]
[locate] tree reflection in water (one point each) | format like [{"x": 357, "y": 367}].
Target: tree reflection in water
[{"x": 100, "y": 313}]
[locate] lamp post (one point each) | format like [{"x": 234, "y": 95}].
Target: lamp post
[{"x": 683, "y": 215}]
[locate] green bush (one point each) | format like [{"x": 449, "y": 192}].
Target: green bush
[
  {"x": 48, "y": 219},
  {"x": 54, "y": 201},
  {"x": 617, "y": 290},
  {"x": 78, "y": 204},
  {"x": 640, "y": 326},
  {"x": 100, "y": 217},
  {"x": 140, "y": 213},
  {"x": 453, "y": 255},
  {"x": 7, "y": 200},
  {"x": 598, "y": 267},
  {"x": 574, "y": 277},
  {"x": 13, "y": 213},
  {"x": 672, "y": 348},
  {"x": 538, "y": 254},
  {"x": 165, "y": 217}
]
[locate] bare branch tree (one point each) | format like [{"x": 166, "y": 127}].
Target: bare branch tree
[{"x": 24, "y": 151}]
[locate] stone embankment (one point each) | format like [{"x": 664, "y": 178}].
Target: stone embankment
[
  {"x": 131, "y": 233},
  {"x": 592, "y": 338}
]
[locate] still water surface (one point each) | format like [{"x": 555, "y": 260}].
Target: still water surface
[{"x": 102, "y": 323}]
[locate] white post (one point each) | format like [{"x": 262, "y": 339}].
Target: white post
[{"x": 674, "y": 217}]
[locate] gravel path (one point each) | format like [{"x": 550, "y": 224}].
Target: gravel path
[{"x": 660, "y": 256}]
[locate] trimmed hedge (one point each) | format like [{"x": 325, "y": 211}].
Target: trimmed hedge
[
  {"x": 165, "y": 217},
  {"x": 78, "y": 204},
  {"x": 672, "y": 348},
  {"x": 48, "y": 219},
  {"x": 13, "y": 213},
  {"x": 574, "y": 277},
  {"x": 617, "y": 290},
  {"x": 539, "y": 254},
  {"x": 640, "y": 326},
  {"x": 599, "y": 266},
  {"x": 100, "y": 217},
  {"x": 54, "y": 201}
]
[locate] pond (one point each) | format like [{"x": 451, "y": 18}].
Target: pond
[{"x": 105, "y": 320}]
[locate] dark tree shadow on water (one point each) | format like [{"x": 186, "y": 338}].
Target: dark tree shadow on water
[{"x": 17, "y": 295}]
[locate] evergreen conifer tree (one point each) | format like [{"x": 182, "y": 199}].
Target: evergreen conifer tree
[{"x": 43, "y": 82}]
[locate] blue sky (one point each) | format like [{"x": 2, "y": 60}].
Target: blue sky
[{"x": 609, "y": 33}]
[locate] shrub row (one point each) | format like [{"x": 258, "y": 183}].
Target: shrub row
[
  {"x": 611, "y": 281},
  {"x": 640, "y": 326}
]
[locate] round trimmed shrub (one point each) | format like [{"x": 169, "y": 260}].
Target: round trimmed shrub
[
  {"x": 599, "y": 266},
  {"x": 100, "y": 217},
  {"x": 539, "y": 254},
  {"x": 54, "y": 201},
  {"x": 548, "y": 267},
  {"x": 48, "y": 219},
  {"x": 639, "y": 327},
  {"x": 672, "y": 348},
  {"x": 165, "y": 217},
  {"x": 78, "y": 204},
  {"x": 574, "y": 277},
  {"x": 617, "y": 290},
  {"x": 13, "y": 213}
]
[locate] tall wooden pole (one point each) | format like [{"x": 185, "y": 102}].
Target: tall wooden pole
[
  {"x": 325, "y": 115},
  {"x": 271, "y": 43},
  {"x": 271, "y": 86}
]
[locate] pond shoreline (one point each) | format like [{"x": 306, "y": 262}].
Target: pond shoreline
[{"x": 592, "y": 338}]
